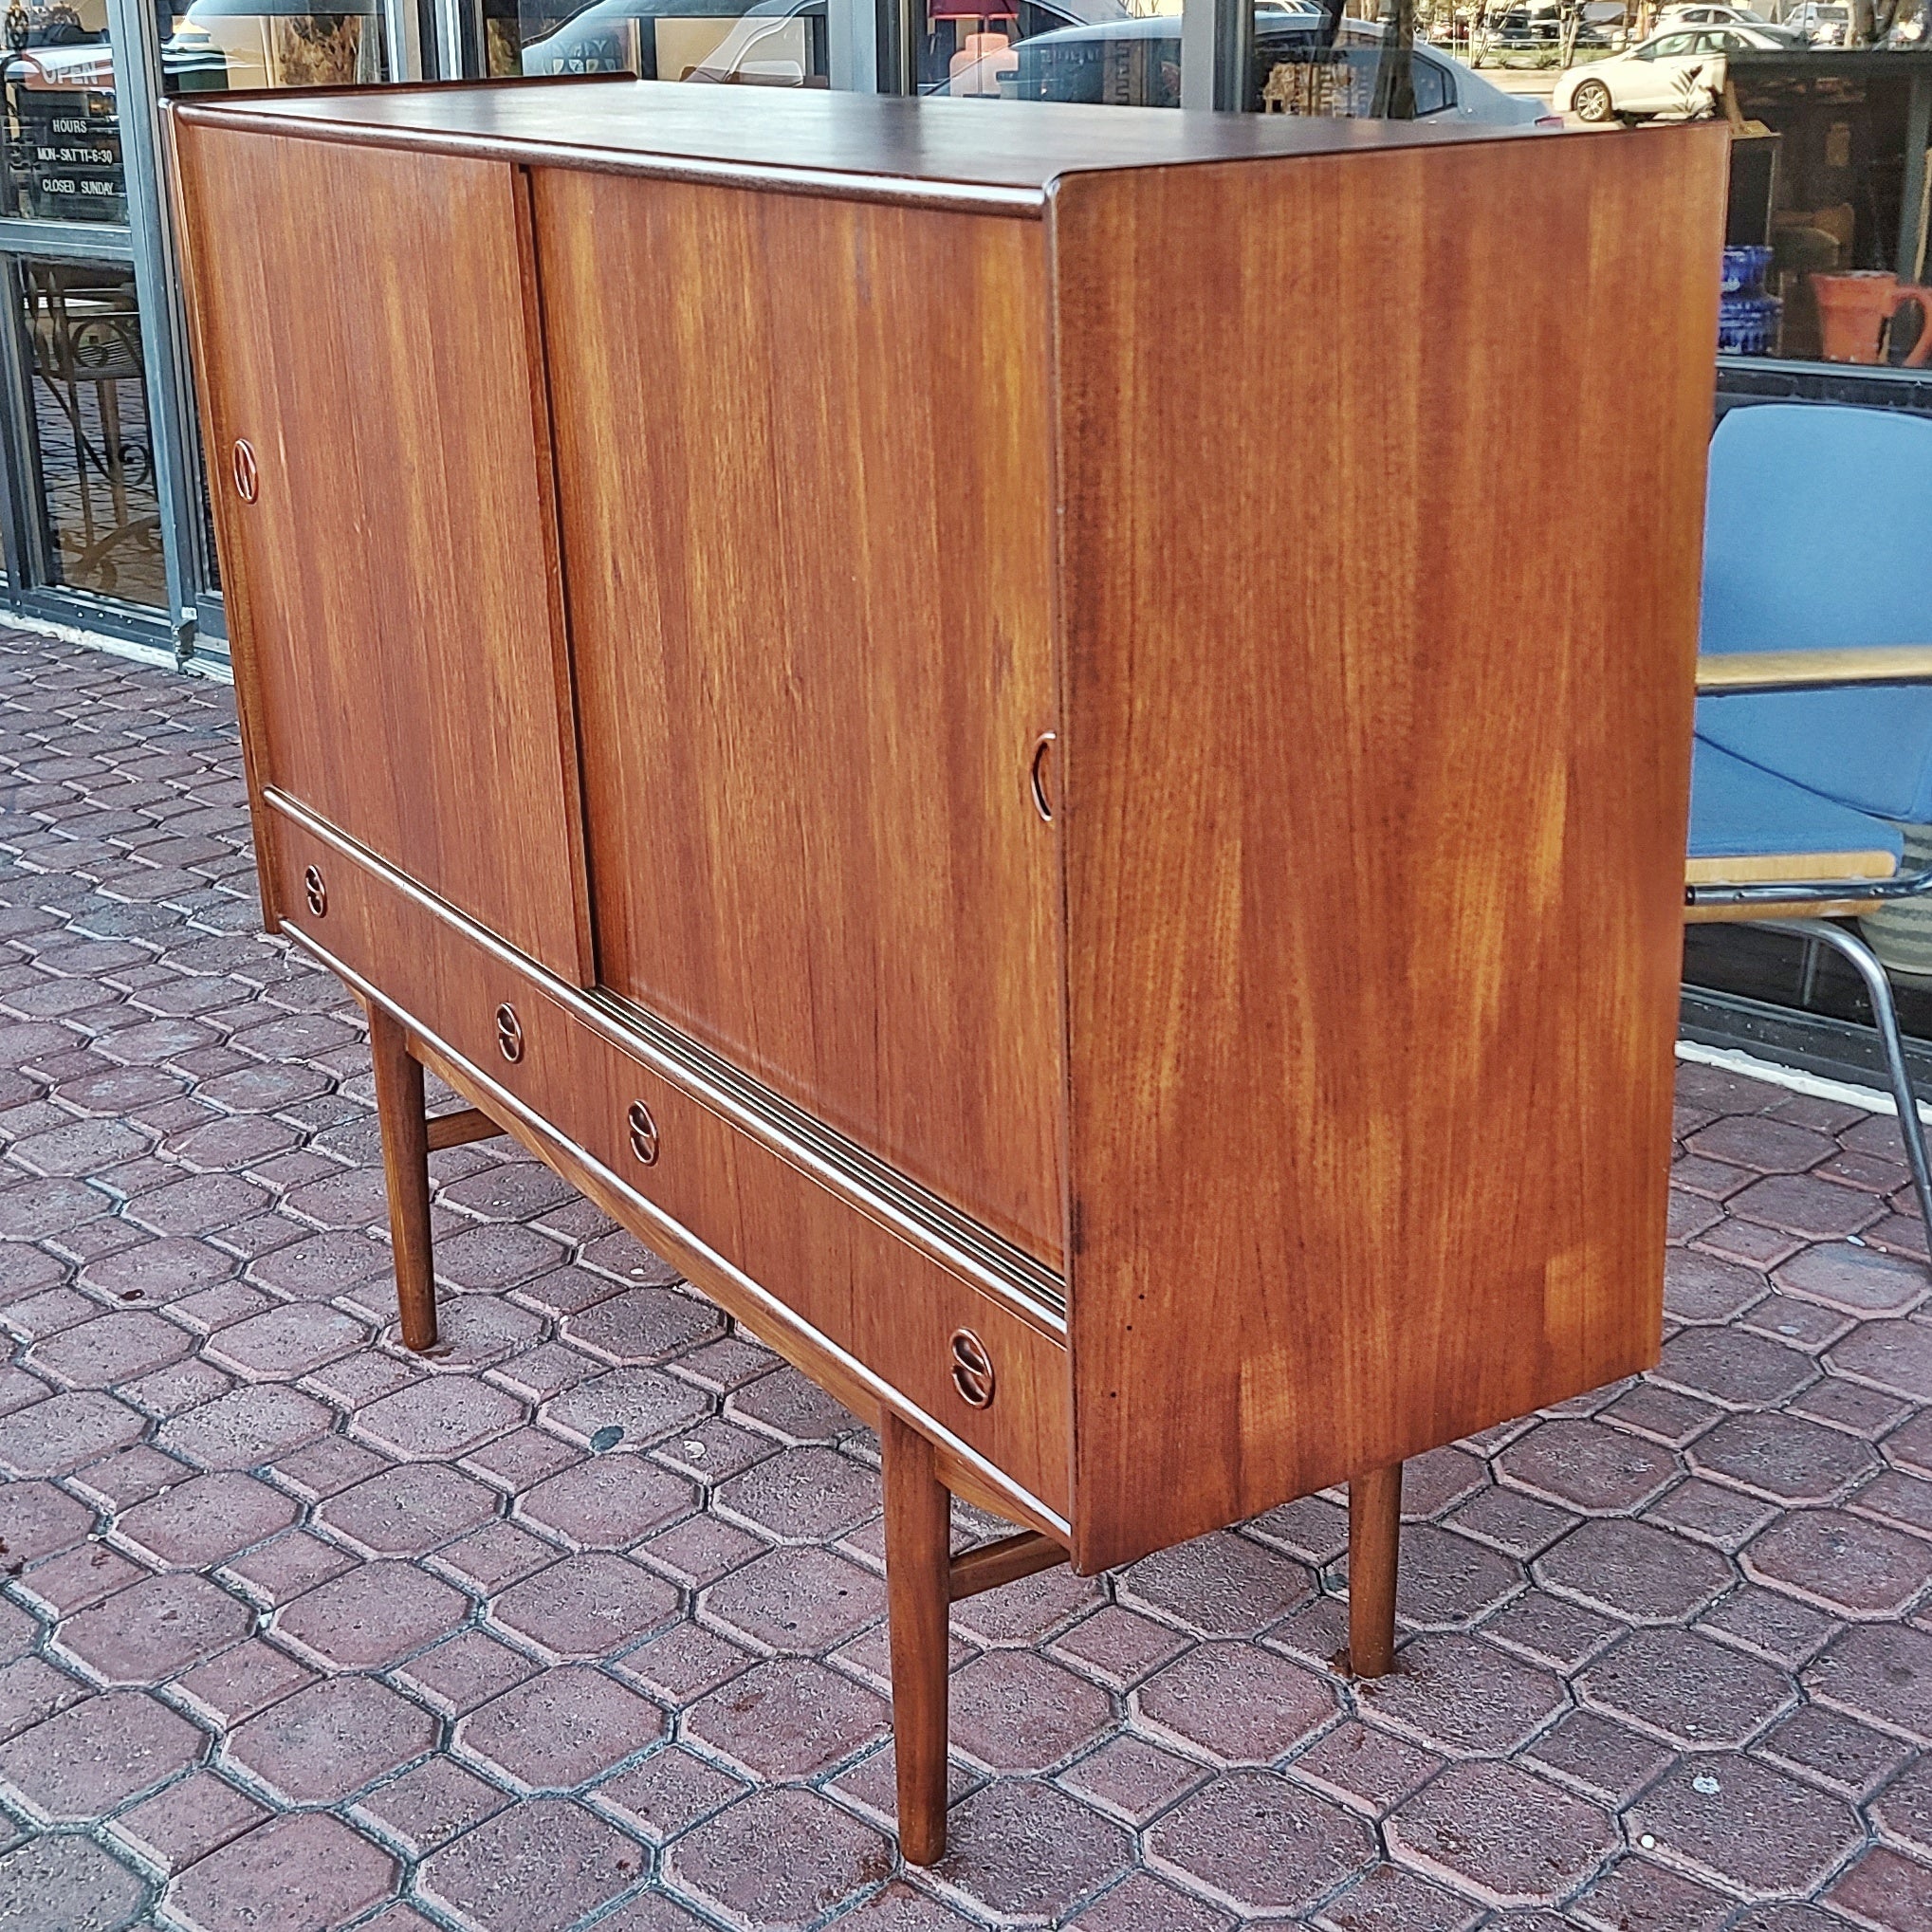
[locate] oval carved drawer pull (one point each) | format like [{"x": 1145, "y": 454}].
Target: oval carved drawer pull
[
  {"x": 1038, "y": 774},
  {"x": 247, "y": 478},
  {"x": 972, "y": 1369},
  {"x": 643, "y": 1134},
  {"x": 509, "y": 1033},
  {"x": 314, "y": 891}
]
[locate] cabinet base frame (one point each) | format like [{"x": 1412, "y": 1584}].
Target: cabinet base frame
[{"x": 921, "y": 1477}]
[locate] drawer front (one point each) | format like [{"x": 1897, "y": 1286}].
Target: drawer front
[{"x": 974, "y": 1365}]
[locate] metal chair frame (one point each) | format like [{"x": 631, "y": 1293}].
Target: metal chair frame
[{"x": 1786, "y": 902}]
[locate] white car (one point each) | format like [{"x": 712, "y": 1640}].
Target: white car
[
  {"x": 1682, "y": 16},
  {"x": 1823, "y": 23},
  {"x": 1679, "y": 73}
]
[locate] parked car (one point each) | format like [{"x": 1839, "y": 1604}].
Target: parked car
[
  {"x": 1705, "y": 15},
  {"x": 1823, "y": 23},
  {"x": 1677, "y": 74},
  {"x": 775, "y": 42},
  {"x": 1074, "y": 64}
]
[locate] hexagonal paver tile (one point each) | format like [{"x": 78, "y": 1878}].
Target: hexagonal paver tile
[
  {"x": 327, "y": 1742},
  {"x": 115, "y": 1349},
  {"x": 196, "y": 1524},
  {"x": 323, "y": 1266},
  {"x": 1633, "y": 1569},
  {"x": 1882, "y": 1673},
  {"x": 1236, "y": 1703},
  {"x": 441, "y": 1418},
  {"x": 287, "y": 1341},
  {"x": 642, "y": 1404},
  {"x": 1745, "y": 1824},
  {"x": 1587, "y": 1466},
  {"x": 1860, "y": 1281},
  {"x": 408, "y": 1511},
  {"x": 372, "y": 1616},
  {"x": 85, "y": 1762},
  {"x": 806, "y": 1601},
  {"x": 585, "y": 1605},
  {"x": 1699, "y": 1287},
  {"x": 608, "y": 1502},
  {"x": 1687, "y": 1689},
  {"x": 1496, "y": 1831},
  {"x": 37, "y": 1519},
  {"x": 1258, "y": 1843},
  {"x": 1782, "y": 1456},
  {"x": 1445, "y": 1580},
  {"x": 788, "y": 1717},
  {"x": 560, "y": 1729},
  {"x": 1459, "y": 1694},
  {"x": 246, "y": 1427},
  {"x": 1888, "y": 1355},
  {"x": 1734, "y": 1367},
  {"x": 1858, "y": 1568},
  {"x": 1012, "y": 1710},
  {"x": 803, "y": 1495},
  {"x": 67, "y": 1881},
  {"x": 1881, "y": 1889},
  {"x": 306, "y": 1873},
  {"x": 645, "y": 1325},
  {"x": 781, "y": 1859},
  {"x": 1218, "y": 1586},
  {"x": 64, "y": 1432},
  {"x": 146, "y": 1634},
  {"x": 791, "y": 1408}
]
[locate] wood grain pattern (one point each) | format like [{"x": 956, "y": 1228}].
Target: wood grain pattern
[
  {"x": 849, "y": 1280},
  {"x": 989, "y": 1565},
  {"x": 1374, "y": 1555},
  {"x": 802, "y": 478},
  {"x": 1373, "y": 804},
  {"x": 918, "y": 1524},
  {"x": 934, "y": 152},
  {"x": 405, "y": 1174},
  {"x": 399, "y": 610}
]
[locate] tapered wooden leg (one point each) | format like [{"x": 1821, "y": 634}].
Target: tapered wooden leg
[
  {"x": 1374, "y": 1543},
  {"x": 405, "y": 1169},
  {"x": 918, "y": 1523}
]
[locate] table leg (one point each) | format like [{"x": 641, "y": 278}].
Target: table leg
[
  {"x": 1374, "y": 1544},
  {"x": 405, "y": 1171},
  {"x": 919, "y": 1530}
]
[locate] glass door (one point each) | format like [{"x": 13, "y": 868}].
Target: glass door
[{"x": 108, "y": 525}]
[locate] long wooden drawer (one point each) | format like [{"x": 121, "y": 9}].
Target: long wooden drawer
[{"x": 894, "y": 1308}]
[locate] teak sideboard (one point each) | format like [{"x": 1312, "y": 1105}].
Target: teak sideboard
[{"x": 1049, "y": 745}]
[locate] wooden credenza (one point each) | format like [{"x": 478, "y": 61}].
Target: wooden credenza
[{"x": 1050, "y": 745}]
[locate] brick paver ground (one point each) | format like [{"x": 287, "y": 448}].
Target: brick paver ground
[{"x": 581, "y": 1621}]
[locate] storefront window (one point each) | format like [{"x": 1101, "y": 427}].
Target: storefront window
[
  {"x": 770, "y": 43},
  {"x": 93, "y": 460},
  {"x": 1119, "y": 53},
  {"x": 215, "y": 46},
  {"x": 63, "y": 153}
]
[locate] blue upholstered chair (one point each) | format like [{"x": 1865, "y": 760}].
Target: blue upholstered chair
[{"x": 1814, "y": 718}]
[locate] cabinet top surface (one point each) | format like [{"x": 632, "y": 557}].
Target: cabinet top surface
[{"x": 994, "y": 151}]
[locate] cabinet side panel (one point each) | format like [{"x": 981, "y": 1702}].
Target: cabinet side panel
[
  {"x": 802, "y": 478},
  {"x": 363, "y": 323},
  {"x": 1382, "y": 485}
]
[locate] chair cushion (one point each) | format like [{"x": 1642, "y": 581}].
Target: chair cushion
[
  {"x": 1815, "y": 537},
  {"x": 1749, "y": 824}
]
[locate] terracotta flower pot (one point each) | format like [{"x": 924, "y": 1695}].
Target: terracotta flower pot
[{"x": 1854, "y": 309}]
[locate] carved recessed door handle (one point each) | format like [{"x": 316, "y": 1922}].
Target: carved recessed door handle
[
  {"x": 972, "y": 1369},
  {"x": 1039, "y": 774},
  {"x": 247, "y": 477},
  {"x": 314, "y": 891},
  {"x": 643, "y": 1134},
  {"x": 509, "y": 1033}
]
